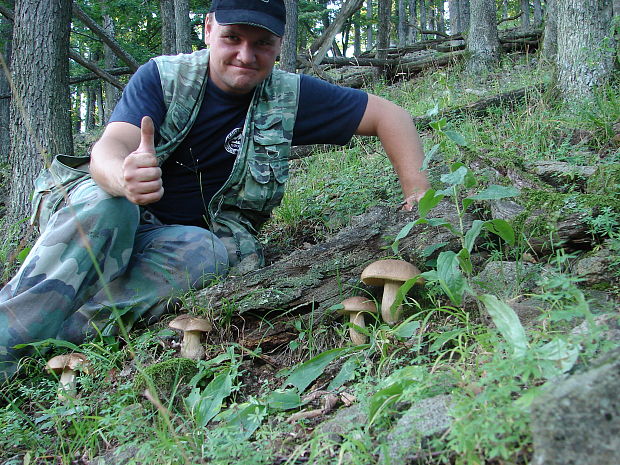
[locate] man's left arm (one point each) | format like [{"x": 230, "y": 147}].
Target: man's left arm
[{"x": 399, "y": 137}]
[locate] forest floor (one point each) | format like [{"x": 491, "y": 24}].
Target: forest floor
[{"x": 453, "y": 382}]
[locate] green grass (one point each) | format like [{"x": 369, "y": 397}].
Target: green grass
[{"x": 440, "y": 349}]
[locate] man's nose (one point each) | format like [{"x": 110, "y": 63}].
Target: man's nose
[{"x": 245, "y": 53}]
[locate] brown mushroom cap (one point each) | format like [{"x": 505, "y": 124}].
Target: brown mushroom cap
[
  {"x": 75, "y": 361},
  {"x": 380, "y": 271},
  {"x": 357, "y": 304},
  {"x": 190, "y": 323}
]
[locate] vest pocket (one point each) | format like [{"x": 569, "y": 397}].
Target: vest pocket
[{"x": 264, "y": 184}]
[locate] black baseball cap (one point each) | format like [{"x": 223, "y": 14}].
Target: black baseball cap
[{"x": 268, "y": 14}]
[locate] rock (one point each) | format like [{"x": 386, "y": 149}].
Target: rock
[
  {"x": 577, "y": 421},
  {"x": 609, "y": 322},
  {"x": 506, "y": 210},
  {"x": 119, "y": 456},
  {"x": 596, "y": 268},
  {"x": 424, "y": 419},
  {"x": 506, "y": 279},
  {"x": 343, "y": 422},
  {"x": 606, "y": 180}
]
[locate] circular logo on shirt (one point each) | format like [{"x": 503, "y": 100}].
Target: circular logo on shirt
[{"x": 232, "y": 144}]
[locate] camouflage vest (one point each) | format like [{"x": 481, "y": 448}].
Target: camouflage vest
[{"x": 256, "y": 184}]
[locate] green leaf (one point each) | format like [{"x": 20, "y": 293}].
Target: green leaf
[
  {"x": 283, "y": 399},
  {"x": 206, "y": 404},
  {"x": 428, "y": 202},
  {"x": 455, "y": 178},
  {"x": 450, "y": 277},
  {"x": 403, "y": 233},
  {"x": 563, "y": 354},
  {"x": 21, "y": 256},
  {"x": 495, "y": 192},
  {"x": 303, "y": 375},
  {"x": 428, "y": 251},
  {"x": 429, "y": 156},
  {"x": 433, "y": 111},
  {"x": 50, "y": 342},
  {"x": 438, "y": 125},
  {"x": 346, "y": 373},
  {"x": 403, "y": 290},
  {"x": 385, "y": 397},
  {"x": 455, "y": 137},
  {"x": 472, "y": 234},
  {"x": 501, "y": 228},
  {"x": 507, "y": 323},
  {"x": 407, "y": 328},
  {"x": 246, "y": 420},
  {"x": 465, "y": 261}
]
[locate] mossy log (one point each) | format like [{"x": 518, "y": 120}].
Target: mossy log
[{"x": 326, "y": 273}]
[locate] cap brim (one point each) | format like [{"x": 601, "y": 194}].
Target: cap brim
[{"x": 251, "y": 18}]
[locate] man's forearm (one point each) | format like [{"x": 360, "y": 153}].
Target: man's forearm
[{"x": 106, "y": 165}]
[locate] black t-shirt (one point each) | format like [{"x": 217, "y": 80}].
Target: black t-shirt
[{"x": 200, "y": 166}]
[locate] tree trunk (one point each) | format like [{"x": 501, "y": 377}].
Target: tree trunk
[
  {"x": 482, "y": 41},
  {"x": 464, "y": 14},
  {"x": 89, "y": 120},
  {"x": 77, "y": 110},
  {"x": 586, "y": 48},
  {"x": 6, "y": 32},
  {"x": 402, "y": 23},
  {"x": 550, "y": 35},
  {"x": 504, "y": 9},
  {"x": 525, "y": 16},
  {"x": 423, "y": 17},
  {"x": 40, "y": 118},
  {"x": 413, "y": 22},
  {"x": 357, "y": 34},
  {"x": 453, "y": 11},
  {"x": 326, "y": 41},
  {"x": 183, "y": 26},
  {"x": 111, "y": 93},
  {"x": 370, "y": 41},
  {"x": 538, "y": 13},
  {"x": 441, "y": 23},
  {"x": 288, "y": 56},
  {"x": 168, "y": 28},
  {"x": 383, "y": 33}
]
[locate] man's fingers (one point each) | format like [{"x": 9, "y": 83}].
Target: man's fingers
[{"x": 147, "y": 136}]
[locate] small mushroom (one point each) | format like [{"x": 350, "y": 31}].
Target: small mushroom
[
  {"x": 67, "y": 367},
  {"x": 391, "y": 274},
  {"x": 192, "y": 328},
  {"x": 355, "y": 307}
]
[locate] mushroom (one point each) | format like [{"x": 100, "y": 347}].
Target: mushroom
[
  {"x": 192, "y": 328},
  {"x": 67, "y": 367},
  {"x": 355, "y": 307},
  {"x": 391, "y": 274}
]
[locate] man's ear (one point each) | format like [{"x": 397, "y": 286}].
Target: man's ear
[{"x": 208, "y": 27}]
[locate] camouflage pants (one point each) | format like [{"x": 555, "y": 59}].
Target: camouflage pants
[{"x": 96, "y": 264}]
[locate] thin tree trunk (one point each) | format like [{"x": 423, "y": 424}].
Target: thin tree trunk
[
  {"x": 40, "y": 118},
  {"x": 482, "y": 40},
  {"x": 383, "y": 33},
  {"x": 111, "y": 93},
  {"x": 168, "y": 27},
  {"x": 504, "y": 9},
  {"x": 90, "y": 109},
  {"x": 370, "y": 41},
  {"x": 326, "y": 41},
  {"x": 586, "y": 48},
  {"x": 182, "y": 26},
  {"x": 453, "y": 10},
  {"x": 413, "y": 22},
  {"x": 402, "y": 23},
  {"x": 288, "y": 56},
  {"x": 423, "y": 16},
  {"x": 77, "y": 110},
  {"x": 357, "y": 34},
  {"x": 464, "y": 14},
  {"x": 441, "y": 24},
  {"x": 525, "y": 16},
  {"x": 550, "y": 35},
  {"x": 538, "y": 13}
]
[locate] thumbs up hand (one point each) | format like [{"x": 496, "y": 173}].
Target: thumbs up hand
[{"x": 141, "y": 173}]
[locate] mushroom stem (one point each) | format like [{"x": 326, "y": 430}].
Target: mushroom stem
[
  {"x": 191, "y": 347},
  {"x": 67, "y": 386},
  {"x": 357, "y": 318},
  {"x": 390, "y": 288}
]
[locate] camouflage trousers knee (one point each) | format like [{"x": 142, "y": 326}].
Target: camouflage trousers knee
[{"x": 97, "y": 265}]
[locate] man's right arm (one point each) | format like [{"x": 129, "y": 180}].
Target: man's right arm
[{"x": 123, "y": 162}]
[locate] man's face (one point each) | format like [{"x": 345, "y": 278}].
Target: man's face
[{"x": 241, "y": 56}]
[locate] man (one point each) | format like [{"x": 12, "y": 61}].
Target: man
[{"x": 190, "y": 166}]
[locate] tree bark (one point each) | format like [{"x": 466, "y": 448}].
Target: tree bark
[
  {"x": 525, "y": 17},
  {"x": 370, "y": 40},
  {"x": 357, "y": 34},
  {"x": 111, "y": 93},
  {"x": 383, "y": 32},
  {"x": 550, "y": 35},
  {"x": 586, "y": 47},
  {"x": 6, "y": 32},
  {"x": 182, "y": 26},
  {"x": 538, "y": 13},
  {"x": 288, "y": 56},
  {"x": 40, "y": 117},
  {"x": 412, "y": 33},
  {"x": 402, "y": 23},
  {"x": 482, "y": 41},
  {"x": 168, "y": 28}
]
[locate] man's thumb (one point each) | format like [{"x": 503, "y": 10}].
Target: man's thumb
[{"x": 147, "y": 136}]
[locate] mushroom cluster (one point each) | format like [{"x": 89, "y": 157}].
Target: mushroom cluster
[{"x": 391, "y": 274}]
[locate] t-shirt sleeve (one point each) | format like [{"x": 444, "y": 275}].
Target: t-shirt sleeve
[
  {"x": 142, "y": 96},
  {"x": 327, "y": 114}
]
